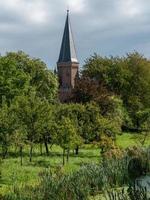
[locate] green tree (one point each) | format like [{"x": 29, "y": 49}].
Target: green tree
[
  {"x": 13, "y": 81},
  {"x": 19, "y": 73},
  {"x": 45, "y": 124},
  {"x": 89, "y": 121},
  {"x": 7, "y": 127},
  {"x": 127, "y": 77},
  {"x": 138, "y": 93},
  {"x": 19, "y": 139},
  {"x": 67, "y": 136},
  {"x": 73, "y": 111},
  {"x": 28, "y": 112}
]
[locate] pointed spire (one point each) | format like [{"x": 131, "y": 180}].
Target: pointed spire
[{"x": 67, "y": 51}]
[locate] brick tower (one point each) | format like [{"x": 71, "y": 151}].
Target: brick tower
[{"x": 67, "y": 65}]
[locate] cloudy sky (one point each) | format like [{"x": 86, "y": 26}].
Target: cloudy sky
[{"x": 107, "y": 27}]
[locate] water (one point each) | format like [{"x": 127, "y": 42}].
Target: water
[{"x": 144, "y": 181}]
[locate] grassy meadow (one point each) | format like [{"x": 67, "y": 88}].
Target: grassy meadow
[{"x": 13, "y": 174}]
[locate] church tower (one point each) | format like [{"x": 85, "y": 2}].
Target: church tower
[{"x": 67, "y": 65}]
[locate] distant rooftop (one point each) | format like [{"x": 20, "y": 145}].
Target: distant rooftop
[{"x": 67, "y": 51}]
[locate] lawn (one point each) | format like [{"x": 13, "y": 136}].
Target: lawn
[
  {"x": 12, "y": 173},
  {"x": 127, "y": 139}
]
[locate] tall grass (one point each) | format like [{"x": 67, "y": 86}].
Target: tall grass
[{"x": 133, "y": 192}]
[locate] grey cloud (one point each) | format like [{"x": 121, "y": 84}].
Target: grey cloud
[{"x": 110, "y": 27}]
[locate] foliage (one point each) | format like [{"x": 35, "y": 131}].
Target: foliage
[
  {"x": 7, "y": 127},
  {"x": 19, "y": 73},
  {"x": 67, "y": 134},
  {"x": 111, "y": 94},
  {"x": 112, "y": 151},
  {"x": 128, "y": 77},
  {"x": 140, "y": 158}
]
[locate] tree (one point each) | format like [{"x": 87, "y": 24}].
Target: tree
[
  {"x": 127, "y": 77},
  {"x": 28, "y": 109},
  {"x": 89, "y": 122},
  {"x": 13, "y": 80},
  {"x": 87, "y": 90},
  {"x": 73, "y": 111},
  {"x": 107, "y": 129},
  {"x": 7, "y": 127},
  {"x": 19, "y": 140},
  {"x": 45, "y": 124},
  {"x": 19, "y": 73},
  {"x": 27, "y": 85},
  {"x": 67, "y": 136}
]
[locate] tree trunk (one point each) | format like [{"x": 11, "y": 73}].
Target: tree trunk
[
  {"x": 77, "y": 150},
  {"x": 46, "y": 147},
  {"x": 31, "y": 149},
  {"x": 21, "y": 155},
  {"x": 102, "y": 150},
  {"x": 63, "y": 156},
  {"x": 68, "y": 151},
  {"x": 16, "y": 149},
  {"x": 41, "y": 150},
  {"x": 4, "y": 151},
  {"x": 137, "y": 124}
]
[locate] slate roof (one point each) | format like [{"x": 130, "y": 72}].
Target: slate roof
[{"x": 67, "y": 51}]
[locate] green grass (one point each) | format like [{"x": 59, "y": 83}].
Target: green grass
[
  {"x": 127, "y": 139},
  {"x": 13, "y": 174}
]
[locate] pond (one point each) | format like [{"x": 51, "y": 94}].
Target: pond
[{"x": 144, "y": 181}]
